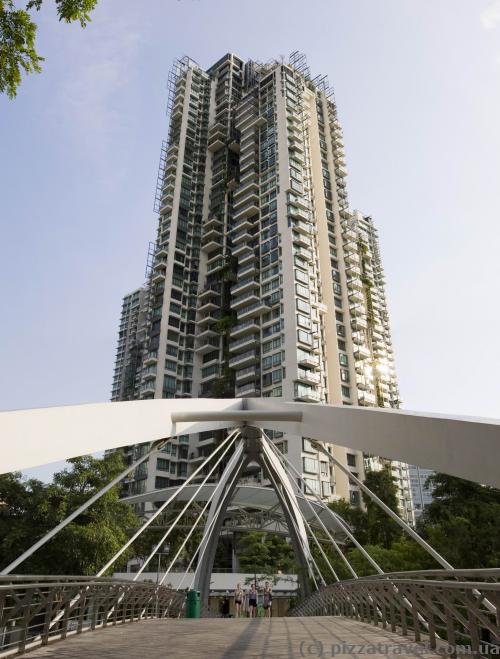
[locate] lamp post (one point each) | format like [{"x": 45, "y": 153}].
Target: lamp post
[{"x": 163, "y": 551}]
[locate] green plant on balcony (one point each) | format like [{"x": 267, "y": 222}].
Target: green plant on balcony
[{"x": 224, "y": 324}]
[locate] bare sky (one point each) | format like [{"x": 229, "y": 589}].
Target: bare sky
[{"x": 418, "y": 89}]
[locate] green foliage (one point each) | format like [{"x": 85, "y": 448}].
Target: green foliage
[
  {"x": 404, "y": 555},
  {"x": 69, "y": 10},
  {"x": 17, "y": 37},
  {"x": 462, "y": 522},
  {"x": 17, "y": 47},
  {"x": 381, "y": 529},
  {"x": 265, "y": 553},
  {"x": 30, "y": 508},
  {"x": 224, "y": 324}
]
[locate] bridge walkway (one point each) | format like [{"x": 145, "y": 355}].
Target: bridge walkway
[{"x": 215, "y": 638}]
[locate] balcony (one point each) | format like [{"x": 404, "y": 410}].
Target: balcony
[
  {"x": 161, "y": 251},
  {"x": 249, "y": 326},
  {"x": 246, "y": 284},
  {"x": 246, "y": 270},
  {"x": 309, "y": 377},
  {"x": 340, "y": 170},
  {"x": 306, "y": 254},
  {"x": 150, "y": 358},
  {"x": 362, "y": 352},
  {"x": 210, "y": 373},
  {"x": 158, "y": 276},
  {"x": 209, "y": 291},
  {"x": 306, "y": 359},
  {"x": 206, "y": 304},
  {"x": 349, "y": 236},
  {"x": 216, "y": 137},
  {"x": 355, "y": 296},
  {"x": 252, "y": 311},
  {"x": 208, "y": 318},
  {"x": 242, "y": 237},
  {"x": 366, "y": 398},
  {"x": 206, "y": 333},
  {"x": 246, "y": 342},
  {"x": 306, "y": 228},
  {"x": 245, "y": 299},
  {"x": 353, "y": 270},
  {"x": 212, "y": 242},
  {"x": 214, "y": 265},
  {"x": 250, "y": 196},
  {"x": 306, "y": 394},
  {"x": 245, "y": 254},
  {"x": 148, "y": 388},
  {"x": 245, "y": 374},
  {"x": 301, "y": 239},
  {"x": 251, "y": 208},
  {"x": 243, "y": 359},
  {"x": 249, "y": 159},
  {"x": 208, "y": 344},
  {"x": 251, "y": 177},
  {"x": 243, "y": 224},
  {"x": 250, "y": 389},
  {"x": 212, "y": 233},
  {"x": 362, "y": 382},
  {"x": 359, "y": 323},
  {"x": 149, "y": 373},
  {"x": 250, "y": 184},
  {"x": 351, "y": 257}
]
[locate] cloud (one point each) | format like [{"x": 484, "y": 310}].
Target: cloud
[
  {"x": 100, "y": 64},
  {"x": 490, "y": 17}
]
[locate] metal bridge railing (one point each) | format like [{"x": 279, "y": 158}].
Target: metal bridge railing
[
  {"x": 446, "y": 608},
  {"x": 35, "y": 610}
]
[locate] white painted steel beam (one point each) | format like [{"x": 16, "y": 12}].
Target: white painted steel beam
[{"x": 461, "y": 446}]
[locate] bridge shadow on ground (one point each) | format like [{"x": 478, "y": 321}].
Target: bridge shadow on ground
[{"x": 278, "y": 638}]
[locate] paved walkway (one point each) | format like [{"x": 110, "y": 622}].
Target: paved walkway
[{"x": 278, "y": 638}]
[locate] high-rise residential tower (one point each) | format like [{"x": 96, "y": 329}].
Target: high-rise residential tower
[
  {"x": 422, "y": 493},
  {"x": 132, "y": 335},
  {"x": 263, "y": 282}
]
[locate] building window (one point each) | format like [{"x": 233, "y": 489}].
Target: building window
[
  {"x": 304, "y": 337},
  {"x": 162, "y": 464},
  {"x": 351, "y": 459},
  {"x": 307, "y": 446},
  {"x": 310, "y": 465},
  {"x": 312, "y": 486},
  {"x": 346, "y": 392}
]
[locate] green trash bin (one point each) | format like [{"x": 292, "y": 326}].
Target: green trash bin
[{"x": 193, "y": 607}]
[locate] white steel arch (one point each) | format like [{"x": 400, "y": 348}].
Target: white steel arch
[{"x": 461, "y": 446}]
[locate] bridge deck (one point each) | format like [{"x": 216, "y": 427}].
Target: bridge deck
[{"x": 232, "y": 639}]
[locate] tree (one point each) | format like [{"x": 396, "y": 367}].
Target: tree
[
  {"x": 17, "y": 37},
  {"x": 461, "y": 523},
  {"x": 380, "y": 528},
  {"x": 30, "y": 508},
  {"x": 263, "y": 553}
]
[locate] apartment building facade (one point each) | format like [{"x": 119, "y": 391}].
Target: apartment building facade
[{"x": 263, "y": 282}]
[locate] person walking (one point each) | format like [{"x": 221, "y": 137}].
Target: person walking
[
  {"x": 252, "y": 600},
  {"x": 238, "y": 600},
  {"x": 268, "y": 599}
]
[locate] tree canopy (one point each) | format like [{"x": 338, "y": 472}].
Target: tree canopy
[
  {"x": 29, "y": 509},
  {"x": 265, "y": 553},
  {"x": 18, "y": 53}
]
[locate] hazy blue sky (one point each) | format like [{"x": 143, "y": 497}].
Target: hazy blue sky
[{"x": 418, "y": 89}]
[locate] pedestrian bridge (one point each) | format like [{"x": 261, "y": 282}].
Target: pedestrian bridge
[
  {"x": 455, "y": 611},
  {"x": 277, "y": 638}
]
